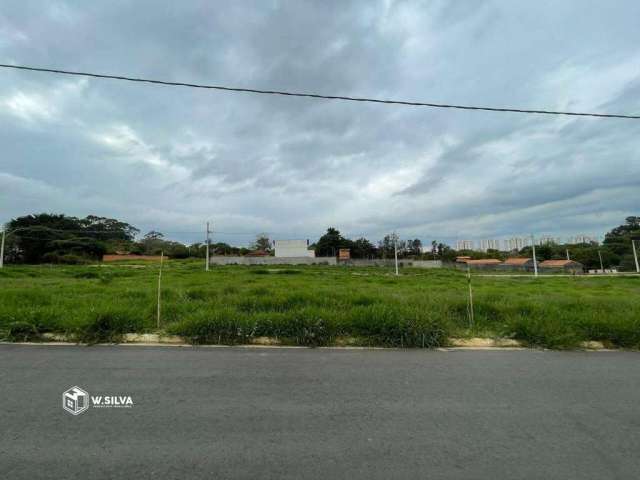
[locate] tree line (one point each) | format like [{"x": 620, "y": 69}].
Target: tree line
[{"x": 58, "y": 238}]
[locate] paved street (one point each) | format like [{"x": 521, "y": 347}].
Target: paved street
[{"x": 326, "y": 413}]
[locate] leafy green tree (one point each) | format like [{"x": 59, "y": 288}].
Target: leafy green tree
[
  {"x": 55, "y": 235},
  {"x": 262, "y": 244},
  {"x": 585, "y": 253},
  {"x": 153, "y": 243},
  {"x": 387, "y": 246},
  {"x": 588, "y": 256},
  {"x": 197, "y": 250},
  {"x": 330, "y": 243},
  {"x": 618, "y": 240},
  {"x": 221, "y": 248},
  {"x": 446, "y": 253},
  {"x": 415, "y": 247},
  {"x": 363, "y": 248},
  {"x": 103, "y": 228}
]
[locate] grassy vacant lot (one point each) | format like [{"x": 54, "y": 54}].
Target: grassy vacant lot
[{"x": 316, "y": 305}]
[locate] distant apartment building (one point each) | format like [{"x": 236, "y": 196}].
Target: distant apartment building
[
  {"x": 293, "y": 248},
  {"x": 581, "y": 239},
  {"x": 464, "y": 245},
  {"x": 489, "y": 245},
  {"x": 516, "y": 243},
  {"x": 548, "y": 240}
]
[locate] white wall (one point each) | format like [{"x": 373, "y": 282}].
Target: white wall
[
  {"x": 271, "y": 261},
  {"x": 293, "y": 248}
]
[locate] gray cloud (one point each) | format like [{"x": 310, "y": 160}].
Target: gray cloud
[{"x": 173, "y": 158}]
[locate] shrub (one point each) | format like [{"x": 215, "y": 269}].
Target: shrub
[
  {"x": 398, "y": 326},
  {"x": 109, "y": 326},
  {"x": 223, "y": 326},
  {"x": 22, "y": 332},
  {"x": 304, "y": 328},
  {"x": 622, "y": 333},
  {"x": 545, "y": 331},
  {"x": 64, "y": 258}
]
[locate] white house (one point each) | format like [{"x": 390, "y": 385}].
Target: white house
[{"x": 293, "y": 248}]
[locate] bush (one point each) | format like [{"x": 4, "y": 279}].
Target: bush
[
  {"x": 398, "y": 326},
  {"x": 22, "y": 332},
  {"x": 109, "y": 326},
  {"x": 545, "y": 331},
  {"x": 64, "y": 258},
  {"x": 305, "y": 327},
  {"x": 621, "y": 333},
  {"x": 221, "y": 327}
]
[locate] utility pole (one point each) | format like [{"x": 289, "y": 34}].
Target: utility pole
[
  {"x": 2, "y": 251},
  {"x": 633, "y": 244},
  {"x": 206, "y": 267},
  {"x": 395, "y": 250},
  {"x": 601, "y": 265},
  {"x": 535, "y": 261}
]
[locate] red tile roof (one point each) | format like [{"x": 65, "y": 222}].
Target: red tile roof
[
  {"x": 516, "y": 261},
  {"x": 484, "y": 261},
  {"x": 557, "y": 263}
]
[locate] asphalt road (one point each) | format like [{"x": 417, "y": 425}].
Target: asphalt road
[{"x": 302, "y": 413}]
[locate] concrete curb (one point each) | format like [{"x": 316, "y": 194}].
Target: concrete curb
[
  {"x": 477, "y": 342},
  {"x": 155, "y": 339}
]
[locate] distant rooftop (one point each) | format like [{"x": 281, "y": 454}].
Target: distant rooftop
[
  {"x": 557, "y": 263},
  {"x": 516, "y": 261},
  {"x": 484, "y": 261}
]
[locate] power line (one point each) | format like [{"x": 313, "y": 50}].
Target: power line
[
  {"x": 45, "y": 229},
  {"x": 318, "y": 96},
  {"x": 118, "y": 231}
]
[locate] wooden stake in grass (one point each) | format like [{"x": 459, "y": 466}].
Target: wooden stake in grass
[
  {"x": 159, "y": 286},
  {"x": 470, "y": 296}
]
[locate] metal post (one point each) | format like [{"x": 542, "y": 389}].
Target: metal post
[
  {"x": 395, "y": 250},
  {"x": 635, "y": 255},
  {"x": 535, "y": 261},
  {"x": 206, "y": 267},
  {"x": 471, "y": 319},
  {"x": 159, "y": 286},
  {"x": 601, "y": 265},
  {"x": 2, "y": 252}
]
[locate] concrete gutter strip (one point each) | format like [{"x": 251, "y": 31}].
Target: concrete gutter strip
[
  {"x": 155, "y": 339},
  {"x": 485, "y": 342}
]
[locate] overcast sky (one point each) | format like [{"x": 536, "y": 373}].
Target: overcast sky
[{"x": 171, "y": 158}]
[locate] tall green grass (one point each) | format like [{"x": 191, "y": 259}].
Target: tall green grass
[{"x": 318, "y": 305}]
